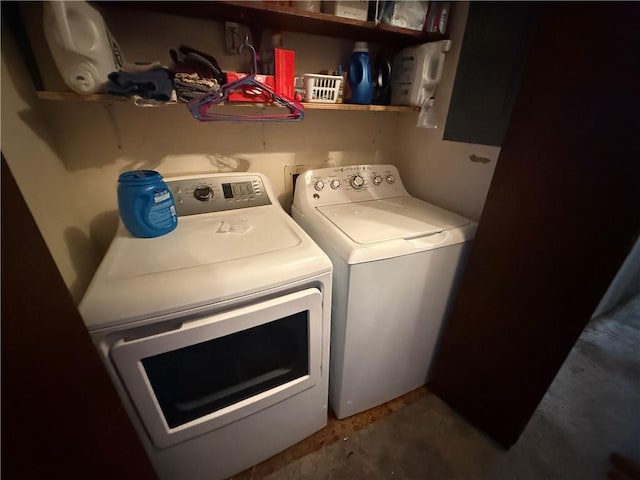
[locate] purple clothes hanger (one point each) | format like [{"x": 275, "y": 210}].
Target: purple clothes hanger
[{"x": 199, "y": 107}]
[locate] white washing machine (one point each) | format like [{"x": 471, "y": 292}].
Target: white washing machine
[
  {"x": 216, "y": 335},
  {"x": 396, "y": 263}
]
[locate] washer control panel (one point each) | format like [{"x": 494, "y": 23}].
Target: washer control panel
[
  {"x": 205, "y": 194},
  {"x": 348, "y": 184}
]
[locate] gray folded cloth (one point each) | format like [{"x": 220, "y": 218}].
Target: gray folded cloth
[
  {"x": 155, "y": 84},
  {"x": 191, "y": 85}
]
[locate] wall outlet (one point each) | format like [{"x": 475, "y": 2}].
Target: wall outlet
[{"x": 291, "y": 173}]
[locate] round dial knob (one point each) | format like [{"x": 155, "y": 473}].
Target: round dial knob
[
  {"x": 319, "y": 185},
  {"x": 391, "y": 179},
  {"x": 335, "y": 184},
  {"x": 356, "y": 182},
  {"x": 377, "y": 180},
  {"x": 203, "y": 193}
]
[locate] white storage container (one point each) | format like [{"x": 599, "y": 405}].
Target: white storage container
[
  {"x": 416, "y": 73},
  {"x": 82, "y": 47},
  {"x": 321, "y": 88},
  {"x": 355, "y": 9},
  {"x": 405, "y": 14}
]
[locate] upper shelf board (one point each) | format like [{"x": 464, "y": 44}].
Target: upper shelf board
[
  {"x": 265, "y": 14},
  {"x": 101, "y": 97}
]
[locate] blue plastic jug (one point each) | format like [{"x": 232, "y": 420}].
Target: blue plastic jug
[
  {"x": 359, "y": 77},
  {"x": 146, "y": 204}
]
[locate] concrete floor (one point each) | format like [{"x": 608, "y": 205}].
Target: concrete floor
[{"x": 591, "y": 409}]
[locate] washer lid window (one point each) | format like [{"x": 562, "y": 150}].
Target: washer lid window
[{"x": 389, "y": 219}]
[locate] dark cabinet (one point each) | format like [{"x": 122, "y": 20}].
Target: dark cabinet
[
  {"x": 61, "y": 415},
  {"x": 562, "y": 213},
  {"x": 494, "y": 49}
]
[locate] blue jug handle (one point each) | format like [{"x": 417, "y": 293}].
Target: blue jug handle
[{"x": 140, "y": 218}]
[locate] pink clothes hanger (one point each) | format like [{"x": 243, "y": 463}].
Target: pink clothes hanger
[{"x": 199, "y": 107}]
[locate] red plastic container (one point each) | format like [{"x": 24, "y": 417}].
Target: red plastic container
[{"x": 247, "y": 93}]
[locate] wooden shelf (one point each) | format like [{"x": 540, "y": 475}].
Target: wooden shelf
[
  {"x": 104, "y": 98},
  {"x": 360, "y": 108},
  {"x": 265, "y": 14},
  {"x": 268, "y": 14}
]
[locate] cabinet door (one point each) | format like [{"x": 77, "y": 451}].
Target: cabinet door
[
  {"x": 494, "y": 49},
  {"x": 561, "y": 214}
]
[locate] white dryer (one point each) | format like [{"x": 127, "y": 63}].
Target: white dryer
[
  {"x": 216, "y": 335},
  {"x": 396, "y": 263}
]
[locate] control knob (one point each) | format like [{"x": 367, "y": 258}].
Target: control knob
[
  {"x": 377, "y": 180},
  {"x": 319, "y": 185},
  {"x": 335, "y": 184},
  {"x": 203, "y": 193},
  {"x": 356, "y": 182},
  {"x": 391, "y": 179}
]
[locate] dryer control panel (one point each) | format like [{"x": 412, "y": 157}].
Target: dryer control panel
[
  {"x": 206, "y": 194},
  {"x": 355, "y": 183}
]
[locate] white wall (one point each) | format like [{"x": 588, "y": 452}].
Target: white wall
[
  {"x": 440, "y": 171},
  {"x": 42, "y": 177},
  {"x": 625, "y": 285}
]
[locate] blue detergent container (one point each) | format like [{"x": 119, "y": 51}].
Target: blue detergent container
[
  {"x": 146, "y": 204},
  {"x": 359, "y": 76}
]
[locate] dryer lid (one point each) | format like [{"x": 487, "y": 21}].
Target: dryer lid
[
  {"x": 390, "y": 219},
  {"x": 208, "y": 259},
  {"x": 206, "y": 239}
]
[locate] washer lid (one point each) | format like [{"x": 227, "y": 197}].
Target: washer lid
[{"x": 389, "y": 219}]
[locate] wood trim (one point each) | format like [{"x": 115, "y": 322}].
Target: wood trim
[
  {"x": 105, "y": 98},
  {"x": 61, "y": 415}
]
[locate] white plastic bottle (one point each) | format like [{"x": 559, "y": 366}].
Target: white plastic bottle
[
  {"x": 416, "y": 73},
  {"x": 82, "y": 46}
]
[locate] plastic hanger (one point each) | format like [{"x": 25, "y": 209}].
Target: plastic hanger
[{"x": 199, "y": 107}]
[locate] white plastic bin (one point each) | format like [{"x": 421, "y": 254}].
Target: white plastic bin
[{"x": 321, "y": 88}]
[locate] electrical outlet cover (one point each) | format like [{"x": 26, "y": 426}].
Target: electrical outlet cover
[{"x": 291, "y": 172}]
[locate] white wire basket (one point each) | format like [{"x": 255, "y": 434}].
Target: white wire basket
[{"x": 321, "y": 88}]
